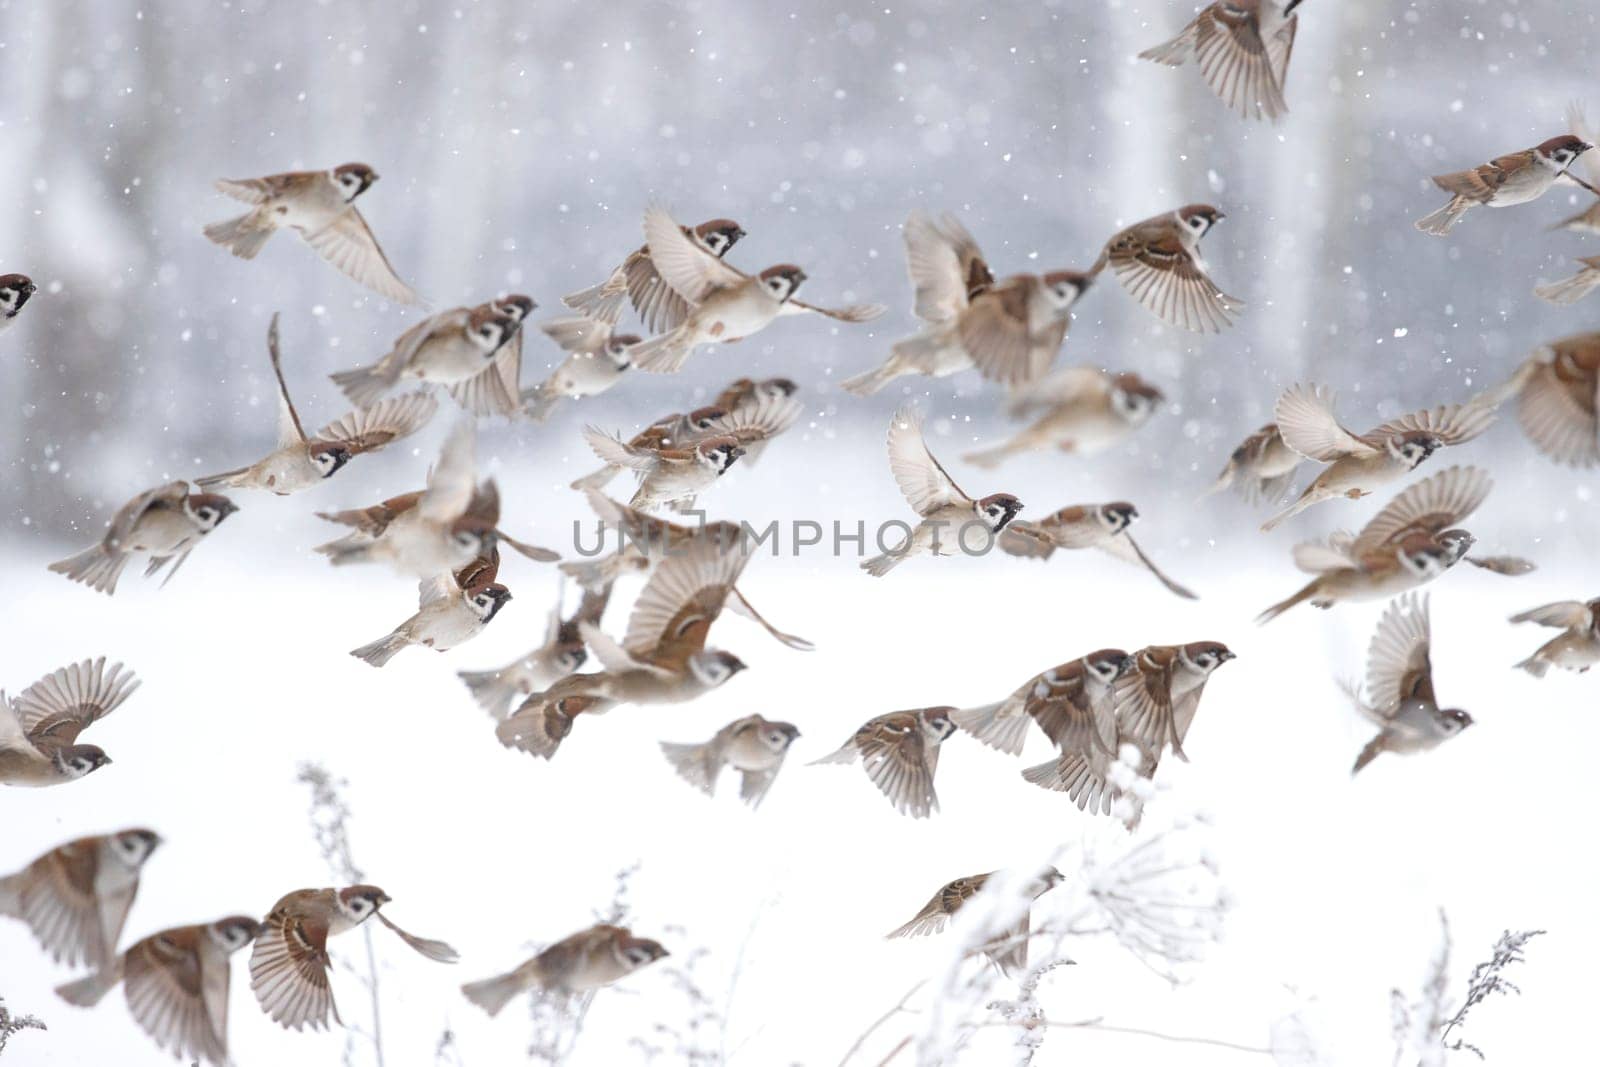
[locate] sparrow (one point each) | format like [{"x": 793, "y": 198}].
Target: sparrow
[
  {"x": 584, "y": 962},
  {"x": 1558, "y": 399},
  {"x": 644, "y": 540},
  {"x": 299, "y": 462},
  {"x": 1261, "y": 468},
  {"x": 753, "y": 746},
  {"x": 1103, "y": 526},
  {"x": 1242, "y": 48},
  {"x": 1158, "y": 262},
  {"x": 320, "y": 206},
  {"x": 561, "y": 654},
  {"x": 1081, "y": 411},
  {"x": 1359, "y": 464},
  {"x": 1587, "y": 220},
  {"x": 447, "y": 527},
  {"x": 944, "y": 511},
  {"x": 678, "y": 430},
  {"x": 15, "y": 290},
  {"x": 176, "y": 984},
  {"x": 1008, "y": 951},
  {"x": 1413, "y": 540},
  {"x": 663, "y": 659},
  {"x": 756, "y": 412},
  {"x": 1576, "y": 648},
  {"x": 659, "y": 306},
  {"x": 1009, "y": 330},
  {"x": 75, "y": 898},
  {"x": 598, "y": 357},
  {"x": 1573, "y": 289},
  {"x": 1506, "y": 180},
  {"x": 165, "y": 523},
  {"x": 1400, "y": 696},
  {"x": 371, "y": 523},
  {"x": 668, "y": 475},
  {"x": 452, "y": 610},
  {"x": 474, "y": 353},
  {"x": 39, "y": 729},
  {"x": 1157, "y": 698},
  {"x": 1071, "y": 702},
  {"x": 900, "y": 752},
  {"x": 290, "y": 965},
  {"x": 725, "y": 303}
]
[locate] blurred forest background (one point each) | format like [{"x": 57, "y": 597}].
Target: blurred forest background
[{"x": 519, "y": 143}]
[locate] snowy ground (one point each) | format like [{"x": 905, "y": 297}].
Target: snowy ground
[{"x": 1336, "y": 883}]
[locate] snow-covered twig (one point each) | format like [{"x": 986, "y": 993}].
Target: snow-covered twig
[
  {"x": 14, "y": 1024},
  {"x": 1423, "y": 1028}
]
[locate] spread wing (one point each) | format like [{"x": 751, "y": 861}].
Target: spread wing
[
  {"x": 895, "y": 754},
  {"x": 758, "y": 419},
  {"x": 945, "y": 264},
  {"x": 495, "y": 390},
  {"x": 348, "y": 244},
  {"x": 1578, "y": 125},
  {"x": 689, "y": 269},
  {"x": 1060, "y": 704},
  {"x": 1025, "y": 539},
  {"x": 1307, "y": 424},
  {"x": 290, "y": 432},
  {"x": 1558, "y": 413},
  {"x": 1432, "y": 505},
  {"x": 167, "y": 995},
  {"x": 1235, "y": 62},
  {"x": 59, "y": 903},
  {"x": 995, "y": 332},
  {"x": 1451, "y": 423},
  {"x": 659, "y": 305},
  {"x": 1398, "y": 664},
  {"x": 1143, "y": 699},
  {"x": 1124, "y": 547},
  {"x": 923, "y": 482},
  {"x": 289, "y": 972},
  {"x": 681, "y": 600},
  {"x": 1563, "y": 614},
  {"x": 1063, "y": 386},
  {"x": 1159, "y": 273},
  {"x": 1334, "y": 554},
  {"x": 56, "y": 708},
  {"x": 848, "y": 313},
  {"x": 1280, "y": 46},
  {"x": 1480, "y": 183},
  {"x": 260, "y": 190},
  {"x": 617, "y": 452},
  {"x": 369, "y": 429},
  {"x": 452, "y": 482}
]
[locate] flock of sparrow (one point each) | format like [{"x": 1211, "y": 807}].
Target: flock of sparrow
[{"x": 1099, "y": 710}]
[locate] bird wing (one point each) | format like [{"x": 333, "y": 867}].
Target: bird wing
[
  {"x": 290, "y": 432},
  {"x": 369, "y": 429},
  {"x": 945, "y": 264},
  {"x": 848, "y": 313},
  {"x": 1563, "y": 614},
  {"x": 1307, "y": 424},
  {"x": 1124, "y": 547},
  {"x": 127, "y": 518},
  {"x": 923, "y": 482},
  {"x": 995, "y": 332},
  {"x": 166, "y": 991},
  {"x": 1235, "y": 62},
  {"x": 348, "y": 244},
  {"x": 1398, "y": 663},
  {"x": 1436, "y": 503},
  {"x": 56, "y": 708},
  {"x": 1451, "y": 423},
  {"x": 1157, "y": 271},
  {"x": 1558, "y": 413},
  {"x": 693, "y": 272},
  {"x": 452, "y": 482},
  {"x": 895, "y": 754},
  {"x": 289, "y": 971},
  {"x": 682, "y": 599}
]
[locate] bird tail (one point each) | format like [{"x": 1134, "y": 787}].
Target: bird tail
[
  {"x": 1368, "y": 754},
  {"x": 1534, "y": 665},
  {"x": 693, "y": 763},
  {"x": 493, "y": 690},
  {"x": 229, "y": 479},
  {"x": 244, "y": 236},
  {"x": 382, "y": 650},
  {"x": 989, "y": 458},
  {"x": 845, "y": 753},
  {"x": 493, "y": 994},
  {"x": 1007, "y": 732},
  {"x": 665, "y": 353},
  {"x": 598, "y": 479},
  {"x": 91, "y": 989},
  {"x": 1444, "y": 220},
  {"x": 1585, "y": 221},
  {"x": 1569, "y": 290},
  {"x": 1305, "y": 501},
  {"x": 594, "y": 575},
  {"x": 353, "y": 548},
  {"x": 94, "y": 567},
  {"x": 1300, "y": 597},
  {"x": 602, "y": 302},
  {"x": 1173, "y": 53},
  {"x": 880, "y": 565},
  {"x": 875, "y": 379},
  {"x": 365, "y": 386}
]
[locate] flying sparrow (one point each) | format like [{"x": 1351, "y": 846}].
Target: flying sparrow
[
  {"x": 1008, "y": 951},
  {"x": 176, "y": 983},
  {"x": 1103, "y": 526},
  {"x": 15, "y": 290},
  {"x": 943, "y": 510},
  {"x": 1157, "y": 698},
  {"x": 581, "y": 963},
  {"x": 1576, "y": 648},
  {"x": 1071, "y": 702},
  {"x": 1573, "y": 289},
  {"x": 474, "y": 353},
  {"x": 1400, "y": 696},
  {"x": 299, "y": 462},
  {"x": 1359, "y": 464},
  {"x": 165, "y": 524},
  {"x": 39, "y": 729},
  {"x": 680, "y": 430},
  {"x": 1081, "y": 411},
  {"x": 659, "y": 306},
  {"x": 726, "y": 304},
  {"x": 1261, "y": 468},
  {"x": 561, "y": 654},
  {"x": 753, "y": 746},
  {"x": 320, "y": 206},
  {"x": 1158, "y": 262},
  {"x": 1009, "y": 330},
  {"x": 1558, "y": 398},
  {"x": 452, "y": 610},
  {"x": 662, "y": 660},
  {"x": 1413, "y": 540},
  {"x": 1512, "y": 179},
  {"x": 668, "y": 475},
  {"x": 75, "y": 898},
  {"x": 900, "y": 752},
  {"x": 1587, "y": 220},
  {"x": 371, "y": 523},
  {"x": 290, "y": 965},
  {"x": 598, "y": 357},
  {"x": 1242, "y": 48}
]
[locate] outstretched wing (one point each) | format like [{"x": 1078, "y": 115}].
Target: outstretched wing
[
  {"x": 1430, "y": 506},
  {"x": 348, "y": 244},
  {"x": 369, "y": 429},
  {"x": 924, "y": 483},
  {"x": 692, "y": 271},
  {"x": 1398, "y": 663},
  {"x": 1307, "y": 424}
]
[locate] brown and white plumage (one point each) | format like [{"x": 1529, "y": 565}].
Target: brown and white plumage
[
  {"x": 75, "y": 898},
  {"x": 165, "y": 524},
  {"x": 597, "y": 359},
  {"x": 1576, "y": 648},
  {"x": 1242, "y": 48},
  {"x": 474, "y": 353},
  {"x": 1504, "y": 181},
  {"x": 1080, "y": 411},
  {"x": 581, "y": 963},
  {"x": 1572, "y": 289},
  {"x": 1261, "y": 468},
  {"x": 900, "y": 753},
  {"x": 1400, "y": 698},
  {"x": 1009, "y": 948},
  {"x": 1558, "y": 399},
  {"x": 659, "y": 306},
  {"x": 754, "y": 746},
  {"x": 1079, "y": 526},
  {"x": 1071, "y": 702},
  {"x": 39, "y": 730},
  {"x": 452, "y": 609},
  {"x": 561, "y": 654},
  {"x": 1156, "y": 700},
  {"x": 1158, "y": 262}
]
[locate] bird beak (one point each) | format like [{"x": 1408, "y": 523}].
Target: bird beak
[{"x": 1288, "y": 9}]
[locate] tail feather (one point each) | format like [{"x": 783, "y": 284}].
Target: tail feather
[
  {"x": 845, "y": 753},
  {"x": 1001, "y": 725},
  {"x": 665, "y": 353},
  {"x": 244, "y": 236},
  {"x": 91, "y": 989},
  {"x": 875, "y": 379},
  {"x": 1071, "y": 774},
  {"x": 493, "y": 690},
  {"x": 602, "y": 302},
  {"x": 880, "y": 565},
  {"x": 1444, "y": 220},
  {"x": 1534, "y": 665},
  {"x": 1305, "y": 593},
  {"x": 694, "y": 764},
  {"x": 94, "y": 567},
  {"x": 597, "y": 479},
  {"x": 382, "y": 650},
  {"x": 1368, "y": 754},
  {"x": 493, "y": 994},
  {"x": 354, "y": 548},
  {"x": 594, "y": 575},
  {"x": 365, "y": 386},
  {"x": 1305, "y": 501}
]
